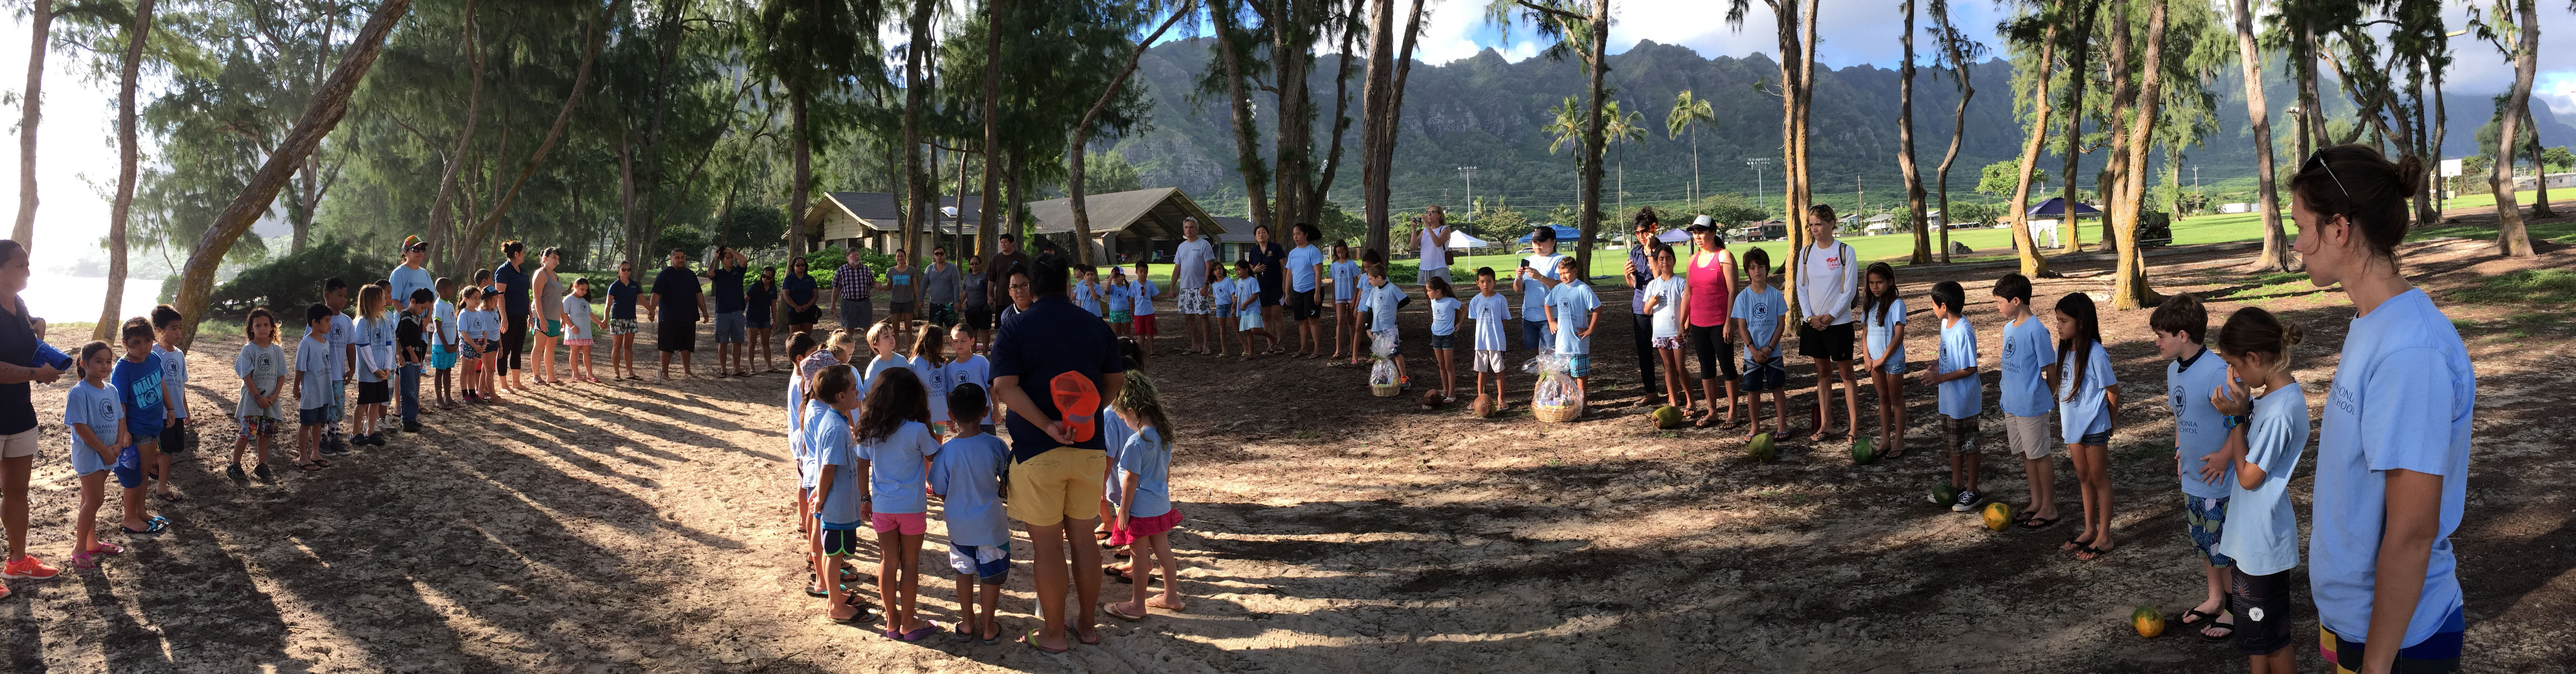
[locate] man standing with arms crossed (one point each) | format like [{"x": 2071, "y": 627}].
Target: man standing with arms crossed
[
  {"x": 1640, "y": 323},
  {"x": 678, "y": 287},
  {"x": 1189, "y": 283}
]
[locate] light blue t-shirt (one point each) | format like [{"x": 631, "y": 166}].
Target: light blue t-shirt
[
  {"x": 1668, "y": 310},
  {"x": 1247, "y": 294},
  {"x": 2403, "y": 391},
  {"x": 796, "y": 429},
  {"x": 1964, "y": 397},
  {"x": 1301, "y": 267},
  {"x": 973, "y": 370},
  {"x": 1382, "y": 304},
  {"x": 1761, "y": 312},
  {"x": 1493, "y": 314},
  {"x": 2262, "y": 529},
  {"x": 1148, "y": 458},
  {"x": 444, "y": 312},
  {"x": 898, "y": 469},
  {"x": 1087, "y": 296},
  {"x": 967, "y": 475},
  {"x": 1122, "y": 296},
  {"x": 1143, "y": 299},
  {"x": 405, "y": 279},
  {"x": 868, "y": 377},
  {"x": 97, "y": 407},
  {"x": 934, "y": 383},
  {"x": 1346, "y": 275},
  {"x": 828, "y": 433},
  {"x": 1573, "y": 303},
  {"x": 1221, "y": 293},
  {"x": 1879, "y": 332},
  {"x": 2027, "y": 351},
  {"x": 1534, "y": 293},
  {"x": 370, "y": 356},
  {"x": 2085, "y": 407},
  {"x": 2198, "y": 428},
  {"x": 1444, "y": 316},
  {"x": 313, "y": 360}
]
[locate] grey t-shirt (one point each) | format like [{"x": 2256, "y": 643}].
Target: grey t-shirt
[{"x": 939, "y": 284}]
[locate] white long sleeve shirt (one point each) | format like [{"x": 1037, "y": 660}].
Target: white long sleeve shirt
[{"x": 1827, "y": 282}]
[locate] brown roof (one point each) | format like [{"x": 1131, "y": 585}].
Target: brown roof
[
  {"x": 882, "y": 211},
  {"x": 1154, "y": 213}
]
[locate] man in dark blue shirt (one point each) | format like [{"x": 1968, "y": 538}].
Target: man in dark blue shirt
[
  {"x": 727, "y": 273},
  {"x": 1056, "y": 355},
  {"x": 675, "y": 291}
]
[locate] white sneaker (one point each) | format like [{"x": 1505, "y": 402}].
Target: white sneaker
[{"x": 661, "y": 376}]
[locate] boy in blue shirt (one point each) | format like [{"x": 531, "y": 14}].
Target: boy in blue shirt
[
  {"x": 1757, "y": 312},
  {"x": 967, "y": 474},
  {"x": 143, "y": 390},
  {"x": 1140, "y": 299},
  {"x": 2028, "y": 353},
  {"x": 840, "y": 496},
  {"x": 1573, "y": 311},
  {"x": 2200, "y": 443},
  {"x": 1382, "y": 300},
  {"x": 1493, "y": 314},
  {"x": 317, "y": 373},
  {"x": 1962, "y": 395},
  {"x": 1536, "y": 277},
  {"x": 1086, "y": 291}
]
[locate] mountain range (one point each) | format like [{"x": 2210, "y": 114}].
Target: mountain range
[{"x": 1488, "y": 112}]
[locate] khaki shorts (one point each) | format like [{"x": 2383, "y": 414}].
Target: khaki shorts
[
  {"x": 1489, "y": 360},
  {"x": 2029, "y": 436},
  {"x": 22, "y": 443},
  {"x": 1062, "y": 483}
]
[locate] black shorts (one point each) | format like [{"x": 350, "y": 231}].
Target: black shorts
[
  {"x": 374, "y": 393},
  {"x": 899, "y": 308},
  {"x": 979, "y": 319},
  {"x": 842, "y": 542},
  {"x": 174, "y": 439},
  {"x": 1444, "y": 342},
  {"x": 1833, "y": 343},
  {"x": 1302, "y": 305},
  {"x": 675, "y": 336},
  {"x": 809, "y": 316},
  {"x": 2263, "y": 611}
]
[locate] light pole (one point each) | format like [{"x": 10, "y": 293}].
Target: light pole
[
  {"x": 1758, "y": 163},
  {"x": 1469, "y": 172}
]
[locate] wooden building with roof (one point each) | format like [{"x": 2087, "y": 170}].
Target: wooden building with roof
[
  {"x": 1126, "y": 226},
  {"x": 874, "y": 220}
]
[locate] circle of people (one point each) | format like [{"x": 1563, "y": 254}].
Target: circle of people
[{"x": 1089, "y": 443}]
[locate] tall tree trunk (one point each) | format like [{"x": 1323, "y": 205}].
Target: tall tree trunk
[
  {"x": 1958, "y": 122},
  {"x": 41, "y": 17},
  {"x": 2111, "y": 183},
  {"x": 127, "y": 155},
  {"x": 635, "y": 239},
  {"x": 2303, "y": 58},
  {"x": 800, "y": 194},
  {"x": 1599, "y": 61},
  {"x": 2511, "y": 236},
  {"x": 987, "y": 235},
  {"x": 916, "y": 95},
  {"x": 2276, "y": 243},
  {"x": 2129, "y": 289},
  {"x": 2033, "y": 264},
  {"x": 1292, "y": 29},
  {"x": 491, "y": 219},
  {"x": 1802, "y": 177},
  {"x": 1019, "y": 181},
  {"x": 2539, "y": 186},
  {"x": 1374, "y": 192},
  {"x": 2081, "y": 46},
  {"x": 1247, "y": 143},
  {"x": 1073, "y": 182},
  {"x": 1792, "y": 193},
  {"x": 1341, "y": 118},
  {"x": 1905, "y": 146},
  {"x": 330, "y": 103}
]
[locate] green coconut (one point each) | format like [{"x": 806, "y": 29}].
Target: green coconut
[
  {"x": 1668, "y": 417},
  {"x": 1944, "y": 493},
  {"x": 1861, "y": 452},
  {"x": 1762, "y": 449}
]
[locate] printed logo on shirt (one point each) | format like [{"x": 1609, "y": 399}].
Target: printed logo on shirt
[
  {"x": 147, "y": 391},
  {"x": 2177, "y": 397},
  {"x": 2343, "y": 398},
  {"x": 267, "y": 362},
  {"x": 106, "y": 411}
]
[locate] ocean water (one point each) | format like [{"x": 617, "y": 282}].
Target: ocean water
[{"x": 74, "y": 299}]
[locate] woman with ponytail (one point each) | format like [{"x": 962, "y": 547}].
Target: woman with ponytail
[{"x": 2393, "y": 446}]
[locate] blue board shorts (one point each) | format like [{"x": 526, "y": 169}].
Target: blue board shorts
[
  {"x": 961, "y": 558},
  {"x": 1765, "y": 375},
  {"x": 2207, "y": 519},
  {"x": 441, "y": 357}
]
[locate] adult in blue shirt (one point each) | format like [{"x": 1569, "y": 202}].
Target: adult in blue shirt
[
  {"x": 1305, "y": 265},
  {"x": 410, "y": 275},
  {"x": 2393, "y": 447},
  {"x": 1641, "y": 324},
  {"x": 1268, "y": 258},
  {"x": 800, "y": 285},
  {"x": 24, "y": 358},
  {"x": 621, "y": 321},
  {"x": 1057, "y": 455},
  {"x": 726, "y": 275},
  {"x": 513, "y": 279}
]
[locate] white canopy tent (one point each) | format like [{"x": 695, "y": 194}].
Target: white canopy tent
[{"x": 1461, "y": 241}]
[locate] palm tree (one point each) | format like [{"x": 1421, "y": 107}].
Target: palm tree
[
  {"x": 1622, "y": 128},
  {"x": 1689, "y": 112},
  {"x": 1567, "y": 128}
]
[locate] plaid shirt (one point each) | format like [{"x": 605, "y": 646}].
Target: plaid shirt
[{"x": 854, "y": 282}]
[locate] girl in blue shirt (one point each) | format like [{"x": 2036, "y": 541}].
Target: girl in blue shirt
[
  {"x": 1884, "y": 313},
  {"x": 1345, "y": 278},
  {"x": 895, "y": 449},
  {"x": 2264, "y": 440},
  {"x": 97, "y": 420},
  {"x": 1144, "y": 516},
  {"x": 2088, "y": 396}
]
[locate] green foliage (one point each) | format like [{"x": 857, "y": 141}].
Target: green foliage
[
  {"x": 1496, "y": 219},
  {"x": 2000, "y": 178},
  {"x": 752, "y": 228},
  {"x": 1970, "y": 211},
  {"x": 2558, "y": 159},
  {"x": 1106, "y": 172},
  {"x": 1726, "y": 208},
  {"x": 2529, "y": 286},
  {"x": 295, "y": 280},
  {"x": 683, "y": 238}
]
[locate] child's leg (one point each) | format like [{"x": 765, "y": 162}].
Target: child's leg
[
  {"x": 1441, "y": 358},
  {"x": 991, "y": 626},
  {"x": 160, "y": 464},
  {"x": 1779, "y": 408},
  {"x": 2083, "y": 491},
  {"x": 1400, "y": 374},
  {"x": 2283, "y": 661},
  {"x": 1891, "y": 409},
  {"x": 2097, "y": 495},
  {"x": 911, "y": 547},
  {"x": 838, "y": 594},
  {"x": 1140, "y": 570},
  {"x": 1970, "y": 463},
  {"x": 2219, "y": 577},
  {"x": 93, "y": 492},
  {"x": 966, "y": 604},
  {"x": 1162, "y": 547},
  {"x": 241, "y": 441},
  {"x": 1674, "y": 387},
  {"x": 135, "y": 510}
]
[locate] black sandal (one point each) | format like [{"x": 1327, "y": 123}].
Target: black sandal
[
  {"x": 2207, "y": 625},
  {"x": 2035, "y": 524}
]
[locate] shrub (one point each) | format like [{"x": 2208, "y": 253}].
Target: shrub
[{"x": 294, "y": 280}]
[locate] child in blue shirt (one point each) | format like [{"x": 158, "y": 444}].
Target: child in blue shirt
[
  {"x": 2200, "y": 456},
  {"x": 895, "y": 449},
  {"x": 1758, "y": 312},
  {"x": 1221, "y": 307},
  {"x": 96, "y": 414},
  {"x": 1121, "y": 300},
  {"x": 1247, "y": 309},
  {"x": 444, "y": 339},
  {"x": 2025, "y": 361},
  {"x": 839, "y": 498},
  {"x": 143, "y": 390},
  {"x": 316, "y": 374},
  {"x": 1086, "y": 292},
  {"x": 1444, "y": 335},
  {"x": 2088, "y": 396},
  {"x": 967, "y": 477},
  {"x": 2263, "y": 532},
  {"x": 1883, "y": 357},
  {"x": 1141, "y": 295},
  {"x": 1573, "y": 311},
  {"x": 1144, "y": 514},
  {"x": 1383, "y": 298},
  {"x": 1344, "y": 276},
  {"x": 1960, "y": 395},
  {"x": 1493, "y": 314}
]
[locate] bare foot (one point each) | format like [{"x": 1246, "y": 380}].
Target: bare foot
[{"x": 1165, "y": 602}]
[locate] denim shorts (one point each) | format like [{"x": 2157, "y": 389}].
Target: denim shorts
[
  {"x": 729, "y": 328},
  {"x": 1765, "y": 375},
  {"x": 1534, "y": 335},
  {"x": 1444, "y": 342}
]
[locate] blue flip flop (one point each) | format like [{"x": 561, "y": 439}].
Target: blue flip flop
[{"x": 151, "y": 528}]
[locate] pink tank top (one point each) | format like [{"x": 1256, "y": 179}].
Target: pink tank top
[{"x": 1709, "y": 298}]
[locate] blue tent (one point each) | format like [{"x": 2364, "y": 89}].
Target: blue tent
[
  {"x": 2056, "y": 206},
  {"x": 1564, "y": 235}
]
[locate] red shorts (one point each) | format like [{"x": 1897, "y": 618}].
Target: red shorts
[
  {"x": 908, "y": 524},
  {"x": 1140, "y": 527},
  {"x": 1144, "y": 325}
]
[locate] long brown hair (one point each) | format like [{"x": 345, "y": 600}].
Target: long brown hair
[
  {"x": 1141, "y": 398},
  {"x": 2079, "y": 342},
  {"x": 895, "y": 397},
  {"x": 2357, "y": 182}
]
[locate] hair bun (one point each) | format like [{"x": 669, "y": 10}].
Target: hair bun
[
  {"x": 2291, "y": 334},
  {"x": 2410, "y": 176}
]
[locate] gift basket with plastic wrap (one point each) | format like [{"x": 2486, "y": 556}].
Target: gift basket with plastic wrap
[
  {"x": 1383, "y": 380},
  {"x": 1558, "y": 399}
]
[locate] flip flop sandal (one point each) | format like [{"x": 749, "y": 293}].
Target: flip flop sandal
[
  {"x": 1112, "y": 609},
  {"x": 1031, "y": 638},
  {"x": 929, "y": 628},
  {"x": 2204, "y": 618},
  {"x": 308, "y": 467},
  {"x": 106, "y": 548},
  {"x": 171, "y": 496},
  {"x": 963, "y": 631},
  {"x": 2035, "y": 524},
  {"x": 2075, "y": 544},
  {"x": 84, "y": 561},
  {"x": 2096, "y": 553},
  {"x": 150, "y": 528},
  {"x": 1094, "y": 641},
  {"x": 2213, "y": 624}
]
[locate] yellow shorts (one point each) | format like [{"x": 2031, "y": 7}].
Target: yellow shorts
[{"x": 1062, "y": 483}]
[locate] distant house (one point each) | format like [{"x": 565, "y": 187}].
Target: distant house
[
  {"x": 1236, "y": 242},
  {"x": 874, "y": 220},
  {"x": 1127, "y": 226}
]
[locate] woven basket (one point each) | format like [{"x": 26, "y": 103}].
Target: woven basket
[
  {"x": 1556, "y": 414},
  {"x": 1385, "y": 390}
]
